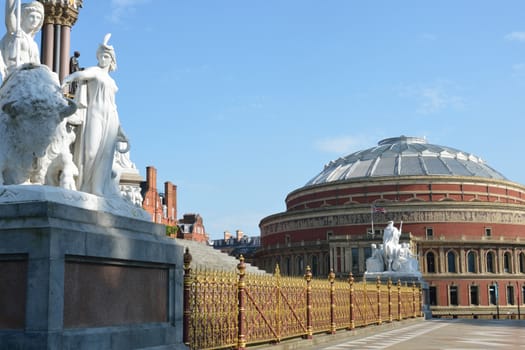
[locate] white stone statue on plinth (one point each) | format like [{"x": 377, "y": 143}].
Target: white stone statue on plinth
[
  {"x": 18, "y": 45},
  {"x": 36, "y": 123},
  {"x": 392, "y": 257},
  {"x": 101, "y": 126}
]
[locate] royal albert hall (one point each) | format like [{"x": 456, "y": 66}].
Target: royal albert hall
[{"x": 464, "y": 221}]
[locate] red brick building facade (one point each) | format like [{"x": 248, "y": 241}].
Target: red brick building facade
[
  {"x": 163, "y": 209},
  {"x": 161, "y": 206},
  {"x": 191, "y": 227},
  {"x": 464, "y": 220}
]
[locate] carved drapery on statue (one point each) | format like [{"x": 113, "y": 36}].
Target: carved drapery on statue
[
  {"x": 38, "y": 124},
  {"x": 100, "y": 131}
]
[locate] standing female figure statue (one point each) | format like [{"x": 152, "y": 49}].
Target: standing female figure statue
[
  {"x": 390, "y": 244},
  {"x": 101, "y": 128},
  {"x": 18, "y": 45}
]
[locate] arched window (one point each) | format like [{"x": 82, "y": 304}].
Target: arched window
[
  {"x": 451, "y": 262},
  {"x": 522, "y": 262},
  {"x": 490, "y": 262},
  {"x": 431, "y": 263},
  {"x": 507, "y": 263},
  {"x": 472, "y": 263}
]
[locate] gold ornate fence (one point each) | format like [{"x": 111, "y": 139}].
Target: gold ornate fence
[{"x": 236, "y": 309}]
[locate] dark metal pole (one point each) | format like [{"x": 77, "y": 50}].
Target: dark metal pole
[
  {"x": 497, "y": 298},
  {"x": 518, "y": 291}
]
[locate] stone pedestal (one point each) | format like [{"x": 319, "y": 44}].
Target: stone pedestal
[{"x": 76, "y": 277}]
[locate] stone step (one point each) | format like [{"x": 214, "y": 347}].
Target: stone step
[{"x": 205, "y": 256}]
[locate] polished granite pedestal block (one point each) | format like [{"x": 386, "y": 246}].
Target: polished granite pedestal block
[{"x": 77, "y": 272}]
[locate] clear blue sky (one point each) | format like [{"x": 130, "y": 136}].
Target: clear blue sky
[{"x": 239, "y": 102}]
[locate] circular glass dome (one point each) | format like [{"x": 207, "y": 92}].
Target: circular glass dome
[{"x": 405, "y": 156}]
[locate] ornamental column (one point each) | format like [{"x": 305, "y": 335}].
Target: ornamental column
[{"x": 59, "y": 17}]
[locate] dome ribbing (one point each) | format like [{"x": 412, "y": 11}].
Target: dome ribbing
[{"x": 405, "y": 156}]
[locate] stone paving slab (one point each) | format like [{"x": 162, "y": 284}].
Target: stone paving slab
[
  {"x": 457, "y": 334},
  {"x": 320, "y": 340}
]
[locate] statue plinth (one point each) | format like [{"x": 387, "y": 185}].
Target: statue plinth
[
  {"x": 72, "y": 274},
  {"x": 41, "y": 193}
]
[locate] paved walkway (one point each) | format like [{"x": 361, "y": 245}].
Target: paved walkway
[{"x": 438, "y": 335}]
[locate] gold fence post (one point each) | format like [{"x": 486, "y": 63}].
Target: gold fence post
[
  {"x": 399, "y": 300},
  {"x": 187, "y": 295},
  {"x": 414, "y": 314},
  {"x": 378, "y": 287},
  {"x": 278, "y": 313},
  {"x": 352, "y": 320},
  {"x": 365, "y": 298},
  {"x": 308, "y": 278},
  {"x": 389, "y": 286},
  {"x": 331, "y": 279},
  {"x": 241, "y": 318}
]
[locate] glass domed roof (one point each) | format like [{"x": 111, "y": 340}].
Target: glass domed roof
[{"x": 405, "y": 156}]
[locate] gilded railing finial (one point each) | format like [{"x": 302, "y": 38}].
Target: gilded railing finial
[
  {"x": 308, "y": 274},
  {"x": 331, "y": 276},
  {"x": 241, "y": 266}
]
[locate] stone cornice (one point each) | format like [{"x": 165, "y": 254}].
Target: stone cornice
[
  {"x": 489, "y": 213},
  {"x": 471, "y": 243},
  {"x": 393, "y": 208}
]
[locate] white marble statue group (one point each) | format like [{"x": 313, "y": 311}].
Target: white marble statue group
[
  {"x": 44, "y": 137},
  {"x": 391, "y": 256}
]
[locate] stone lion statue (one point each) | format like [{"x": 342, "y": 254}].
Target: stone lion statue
[{"x": 34, "y": 136}]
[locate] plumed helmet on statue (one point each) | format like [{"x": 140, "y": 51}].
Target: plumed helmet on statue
[
  {"x": 34, "y": 6},
  {"x": 105, "y": 48}
]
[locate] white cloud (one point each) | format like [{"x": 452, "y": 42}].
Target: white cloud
[
  {"x": 516, "y": 36},
  {"x": 123, "y": 8},
  {"x": 434, "y": 97},
  {"x": 343, "y": 144}
]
